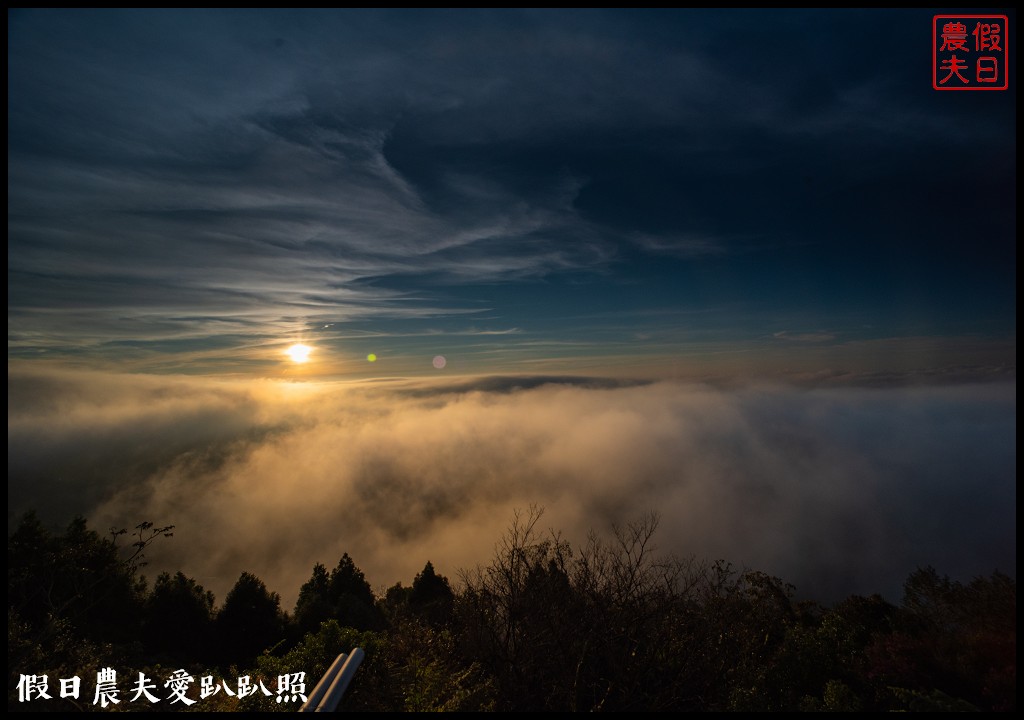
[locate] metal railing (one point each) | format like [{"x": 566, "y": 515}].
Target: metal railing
[{"x": 332, "y": 686}]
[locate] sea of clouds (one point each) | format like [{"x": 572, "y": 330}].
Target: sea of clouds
[{"x": 834, "y": 489}]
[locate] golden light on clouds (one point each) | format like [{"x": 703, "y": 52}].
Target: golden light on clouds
[
  {"x": 299, "y": 353},
  {"x": 326, "y": 465}
]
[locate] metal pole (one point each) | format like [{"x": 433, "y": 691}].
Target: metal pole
[
  {"x": 321, "y": 687},
  {"x": 332, "y": 699}
]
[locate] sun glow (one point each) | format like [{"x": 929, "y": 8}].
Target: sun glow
[{"x": 299, "y": 353}]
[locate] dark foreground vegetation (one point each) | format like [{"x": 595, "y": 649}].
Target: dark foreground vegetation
[{"x": 609, "y": 626}]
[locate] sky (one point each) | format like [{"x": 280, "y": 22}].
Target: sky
[{"x": 746, "y": 267}]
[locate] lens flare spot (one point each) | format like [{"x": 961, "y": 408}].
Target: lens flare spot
[
  {"x": 299, "y": 353},
  {"x": 440, "y": 362}
]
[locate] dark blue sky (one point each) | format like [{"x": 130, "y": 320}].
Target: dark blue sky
[{"x": 648, "y": 193}]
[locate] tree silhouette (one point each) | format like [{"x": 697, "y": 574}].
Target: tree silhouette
[
  {"x": 74, "y": 599},
  {"x": 544, "y": 626},
  {"x": 952, "y": 643},
  {"x": 178, "y": 619},
  {"x": 78, "y": 578},
  {"x": 314, "y": 605},
  {"x": 431, "y": 597},
  {"x": 343, "y": 595},
  {"x": 250, "y": 621}
]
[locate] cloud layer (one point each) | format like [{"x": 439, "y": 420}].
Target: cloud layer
[{"x": 836, "y": 490}]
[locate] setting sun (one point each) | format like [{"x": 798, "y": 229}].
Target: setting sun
[{"x": 299, "y": 353}]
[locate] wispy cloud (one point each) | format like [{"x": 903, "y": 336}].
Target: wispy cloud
[
  {"x": 269, "y": 211},
  {"x": 680, "y": 245},
  {"x": 175, "y": 173},
  {"x": 807, "y": 337}
]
